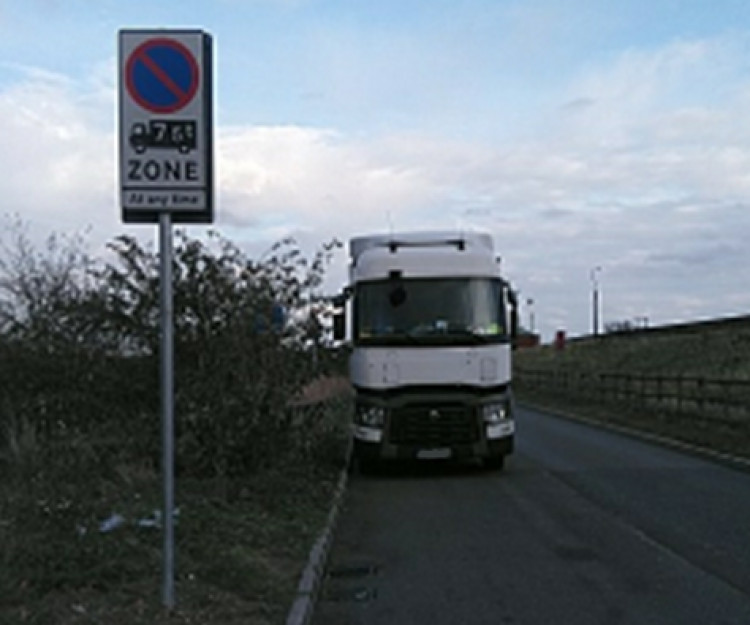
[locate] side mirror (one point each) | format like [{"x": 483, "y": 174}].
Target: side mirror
[
  {"x": 513, "y": 302},
  {"x": 339, "y": 326}
]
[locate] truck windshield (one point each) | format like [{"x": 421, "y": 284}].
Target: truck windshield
[{"x": 451, "y": 311}]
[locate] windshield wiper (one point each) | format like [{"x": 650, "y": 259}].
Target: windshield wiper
[
  {"x": 448, "y": 335},
  {"x": 393, "y": 338},
  {"x": 426, "y": 335},
  {"x": 466, "y": 333}
]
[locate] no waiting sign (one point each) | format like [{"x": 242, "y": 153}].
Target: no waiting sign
[{"x": 166, "y": 125}]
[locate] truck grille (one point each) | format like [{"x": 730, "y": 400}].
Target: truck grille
[{"x": 433, "y": 426}]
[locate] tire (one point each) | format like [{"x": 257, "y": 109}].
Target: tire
[
  {"x": 367, "y": 466},
  {"x": 494, "y": 463}
]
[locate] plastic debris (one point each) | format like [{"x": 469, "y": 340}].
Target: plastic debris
[
  {"x": 152, "y": 521},
  {"x": 78, "y": 608},
  {"x": 155, "y": 519},
  {"x": 112, "y": 523},
  {"x": 116, "y": 521}
]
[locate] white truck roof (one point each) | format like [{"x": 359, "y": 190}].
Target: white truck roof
[
  {"x": 442, "y": 253},
  {"x": 419, "y": 239}
]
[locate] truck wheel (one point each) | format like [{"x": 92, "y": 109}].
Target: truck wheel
[
  {"x": 494, "y": 463},
  {"x": 367, "y": 466}
]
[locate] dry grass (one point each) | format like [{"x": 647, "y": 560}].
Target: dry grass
[
  {"x": 323, "y": 389},
  {"x": 242, "y": 542},
  {"x": 711, "y": 352},
  {"x": 714, "y": 352}
]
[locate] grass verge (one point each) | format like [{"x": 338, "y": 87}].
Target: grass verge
[
  {"x": 721, "y": 437},
  {"x": 241, "y": 542}
]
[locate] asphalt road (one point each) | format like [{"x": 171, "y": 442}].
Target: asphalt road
[{"x": 583, "y": 527}]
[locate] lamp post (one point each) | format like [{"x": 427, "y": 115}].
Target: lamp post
[
  {"x": 595, "y": 298},
  {"x": 530, "y": 304}
]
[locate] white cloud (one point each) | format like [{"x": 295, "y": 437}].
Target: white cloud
[
  {"x": 633, "y": 175},
  {"x": 59, "y": 169},
  {"x": 311, "y": 177}
]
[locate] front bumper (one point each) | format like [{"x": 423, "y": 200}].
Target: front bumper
[
  {"x": 435, "y": 423},
  {"x": 370, "y": 445}
]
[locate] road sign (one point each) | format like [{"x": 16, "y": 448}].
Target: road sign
[
  {"x": 162, "y": 75},
  {"x": 166, "y": 126},
  {"x": 166, "y": 176}
]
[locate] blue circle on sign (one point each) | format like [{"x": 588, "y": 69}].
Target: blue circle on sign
[{"x": 162, "y": 75}]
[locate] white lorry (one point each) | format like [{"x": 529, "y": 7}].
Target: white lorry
[{"x": 432, "y": 323}]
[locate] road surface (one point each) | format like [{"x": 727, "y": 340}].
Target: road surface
[{"x": 584, "y": 526}]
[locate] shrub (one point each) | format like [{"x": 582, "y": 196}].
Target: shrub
[{"x": 79, "y": 343}]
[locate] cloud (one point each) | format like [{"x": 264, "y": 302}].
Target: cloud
[
  {"x": 310, "y": 177},
  {"x": 633, "y": 172},
  {"x": 697, "y": 256},
  {"x": 62, "y": 167},
  {"x": 577, "y": 105},
  {"x": 675, "y": 84}
]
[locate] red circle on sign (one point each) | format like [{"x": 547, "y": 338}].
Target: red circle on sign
[{"x": 183, "y": 94}]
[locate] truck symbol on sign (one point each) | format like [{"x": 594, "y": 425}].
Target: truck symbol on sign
[{"x": 165, "y": 135}]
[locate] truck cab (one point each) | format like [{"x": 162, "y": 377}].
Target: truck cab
[{"x": 431, "y": 324}]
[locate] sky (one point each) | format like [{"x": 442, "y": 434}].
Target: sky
[{"x": 599, "y": 142}]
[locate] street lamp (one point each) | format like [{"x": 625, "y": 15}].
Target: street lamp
[
  {"x": 530, "y": 304},
  {"x": 595, "y": 298}
]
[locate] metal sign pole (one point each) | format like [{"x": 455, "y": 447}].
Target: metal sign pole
[
  {"x": 167, "y": 397},
  {"x": 166, "y": 131}
]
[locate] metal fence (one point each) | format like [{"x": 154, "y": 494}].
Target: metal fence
[{"x": 721, "y": 400}]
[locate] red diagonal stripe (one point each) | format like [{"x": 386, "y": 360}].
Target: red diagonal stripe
[{"x": 161, "y": 75}]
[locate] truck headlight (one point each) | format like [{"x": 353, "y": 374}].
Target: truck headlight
[
  {"x": 372, "y": 416},
  {"x": 495, "y": 413}
]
